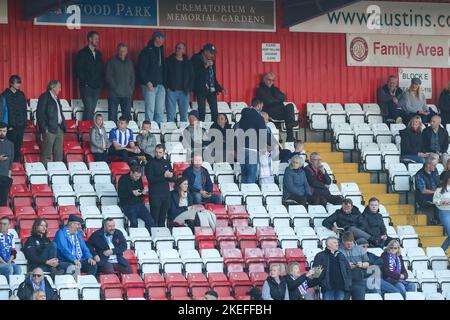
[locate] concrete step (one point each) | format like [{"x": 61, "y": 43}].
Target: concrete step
[
  {"x": 432, "y": 241},
  {"x": 345, "y": 166},
  {"x": 396, "y": 209},
  {"x": 372, "y": 188},
  {"x": 409, "y": 219},
  {"x": 332, "y": 157},
  {"x": 385, "y": 198},
  {"x": 429, "y": 231},
  {"x": 317, "y": 147},
  {"x": 363, "y": 178}
]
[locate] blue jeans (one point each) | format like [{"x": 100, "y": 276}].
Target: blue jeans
[
  {"x": 399, "y": 287},
  {"x": 334, "y": 295},
  {"x": 154, "y": 103},
  {"x": 412, "y": 157},
  {"x": 89, "y": 96},
  {"x": 8, "y": 270},
  {"x": 444, "y": 216},
  {"x": 113, "y": 105},
  {"x": 214, "y": 199},
  {"x": 249, "y": 169},
  {"x": 172, "y": 97}
]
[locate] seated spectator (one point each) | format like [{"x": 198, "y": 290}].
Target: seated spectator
[
  {"x": 200, "y": 184},
  {"x": 73, "y": 254},
  {"x": 411, "y": 145},
  {"x": 373, "y": 283},
  {"x": 388, "y": 98},
  {"x": 219, "y": 130},
  {"x": 359, "y": 262},
  {"x": 414, "y": 103},
  {"x": 40, "y": 251},
  {"x": 441, "y": 200},
  {"x": 255, "y": 294},
  {"x": 275, "y": 286},
  {"x": 194, "y": 134},
  {"x": 435, "y": 139},
  {"x": 39, "y": 295},
  {"x": 131, "y": 196},
  {"x": 299, "y": 149},
  {"x": 108, "y": 245},
  {"x": 347, "y": 219},
  {"x": 7, "y": 250},
  {"x": 300, "y": 286},
  {"x": 34, "y": 283},
  {"x": 211, "y": 295},
  {"x": 427, "y": 181},
  {"x": 372, "y": 222},
  {"x": 6, "y": 161},
  {"x": 335, "y": 279},
  {"x": 122, "y": 141},
  {"x": 444, "y": 105},
  {"x": 445, "y": 172},
  {"x": 394, "y": 271},
  {"x": 295, "y": 184},
  {"x": 146, "y": 140},
  {"x": 99, "y": 140},
  {"x": 320, "y": 182}
]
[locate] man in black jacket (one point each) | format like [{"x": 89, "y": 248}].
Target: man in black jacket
[
  {"x": 372, "y": 222},
  {"x": 206, "y": 86},
  {"x": 299, "y": 284},
  {"x": 107, "y": 245},
  {"x": 89, "y": 70},
  {"x": 51, "y": 123},
  {"x": 151, "y": 70},
  {"x": 159, "y": 172},
  {"x": 435, "y": 139},
  {"x": 15, "y": 105},
  {"x": 388, "y": 97},
  {"x": 36, "y": 280},
  {"x": 273, "y": 100}
]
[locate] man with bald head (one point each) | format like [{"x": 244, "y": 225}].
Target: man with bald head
[{"x": 435, "y": 139}]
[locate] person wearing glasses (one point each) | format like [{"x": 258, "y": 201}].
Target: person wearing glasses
[
  {"x": 179, "y": 83},
  {"x": 7, "y": 250},
  {"x": 34, "y": 284}
]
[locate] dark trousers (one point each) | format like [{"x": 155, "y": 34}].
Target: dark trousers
[
  {"x": 113, "y": 105},
  {"x": 212, "y": 101},
  {"x": 49, "y": 252},
  {"x": 89, "y": 96},
  {"x": 321, "y": 199},
  {"x": 283, "y": 112},
  {"x": 122, "y": 154},
  {"x": 16, "y": 136},
  {"x": 357, "y": 290},
  {"x": 302, "y": 200},
  {"x": 139, "y": 211},
  {"x": 101, "y": 156},
  {"x": 5, "y": 185},
  {"x": 159, "y": 206},
  {"x": 106, "y": 267}
]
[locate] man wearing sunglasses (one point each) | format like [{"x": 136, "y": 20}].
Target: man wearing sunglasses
[{"x": 36, "y": 282}]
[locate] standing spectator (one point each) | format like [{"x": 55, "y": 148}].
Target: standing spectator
[
  {"x": 146, "y": 140},
  {"x": 273, "y": 100},
  {"x": 336, "y": 278},
  {"x": 413, "y": 101},
  {"x": 99, "y": 141},
  {"x": 200, "y": 184},
  {"x": 107, "y": 245},
  {"x": 6, "y": 160},
  {"x": 372, "y": 222},
  {"x": 444, "y": 105},
  {"x": 388, "y": 98},
  {"x": 275, "y": 286},
  {"x": 193, "y": 135},
  {"x": 159, "y": 172},
  {"x": 295, "y": 184},
  {"x": 73, "y": 253},
  {"x": 151, "y": 68},
  {"x": 51, "y": 123},
  {"x": 131, "y": 195},
  {"x": 36, "y": 283},
  {"x": 40, "y": 251},
  {"x": 435, "y": 139},
  {"x": 300, "y": 285},
  {"x": 320, "y": 182},
  {"x": 14, "y": 110},
  {"x": 206, "y": 86},
  {"x": 217, "y": 135},
  {"x": 427, "y": 180},
  {"x": 411, "y": 144},
  {"x": 394, "y": 270},
  {"x": 299, "y": 149},
  {"x": 359, "y": 262},
  {"x": 122, "y": 141},
  {"x": 89, "y": 70},
  {"x": 441, "y": 200},
  {"x": 7, "y": 250},
  {"x": 120, "y": 80},
  {"x": 180, "y": 82}
]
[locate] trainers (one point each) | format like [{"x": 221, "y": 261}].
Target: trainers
[{"x": 398, "y": 120}]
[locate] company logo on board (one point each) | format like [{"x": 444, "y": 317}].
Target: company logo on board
[{"x": 359, "y": 49}]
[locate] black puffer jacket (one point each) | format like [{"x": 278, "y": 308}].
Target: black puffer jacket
[
  {"x": 411, "y": 143},
  {"x": 372, "y": 223},
  {"x": 188, "y": 73},
  {"x": 148, "y": 67},
  {"x": 326, "y": 279},
  {"x": 343, "y": 220},
  {"x": 17, "y": 107},
  {"x": 270, "y": 96},
  {"x": 26, "y": 290}
]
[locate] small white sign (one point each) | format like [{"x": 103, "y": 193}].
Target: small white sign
[
  {"x": 271, "y": 52},
  {"x": 3, "y": 11},
  {"x": 406, "y": 74}
]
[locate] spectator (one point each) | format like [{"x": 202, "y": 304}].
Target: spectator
[
  {"x": 122, "y": 141},
  {"x": 441, "y": 200},
  {"x": 51, "y": 123},
  {"x": 336, "y": 278},
  {"x": 73, "y": 253},
  {"x": 6, "y": 160},
  {"x": 275, "y": 286},
  {"x": 414, "y": 103},
  {"x": 411, "y": 145},
  {"x": 295, "y": 184},
  {"x": 108, "y": 245},
  {"x": 146, "y": 140},
  {"x": 347, "y": 219},
  {"x": 320, "y": 182},
  {"x": 388, "y": 98},
  {"x": 200, "y": 184},
  {"x": 359, "y": 262},
  {"x": 444, "y": 105},
  {"x": 193, "y": 135},
  {"x": 14, "y": 113},
  {"x": 300, "y": 285},
  {"x": 120, "y": 79},
  {"x": 445, "y": 172},
  {"x": 40, "y": 251},
  {"x": 7, "y": 250},
  {"x": 435, "y": 139},
  {"x": 131, "y": 195},
  {"x": 374, "y": 282},
  {"x": 255, "y": 294},
  {"x": 218, "y": 131},
  {"x": 211, "y": 295},
  {"x": 36, "y": 284},
  {"x": 273, "y": 100},
  {"x": 299, "y": 149},
  {"x": 99, "y": 140},
  {"x": 159, "y": 173},
  {"x": 427, "y": 181},
  {"x": 179, "y": 84},
  {"x": 151, "y": 68},
  {"x": 89, "y": 70},
  {"x": 206, "y": 86},
  {"x": 267, "y": 156},
  {"x": 394, "y": 270},
  {"x": 39, "y": 295},
  {"x": 372, "y": 222}
]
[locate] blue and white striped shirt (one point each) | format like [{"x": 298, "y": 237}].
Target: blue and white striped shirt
[{"x": 121, "y": 137}]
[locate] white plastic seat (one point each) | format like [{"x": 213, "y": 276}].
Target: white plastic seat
[
  {"x": 58, "y": 173},
  {"x": 114, "y": 212},
  {"x": 231, "y": 193},
  {"x": 212, "y": 260},
  {"x": 79, "y": 172},
  {"x": 372, "y": 112},
  {"x": 148, "y": 261},
  {"x": 434, "y": 296},
  {"x": 307, "y": 237},
  {"x": 371, "y": 157},
  {"x": 162, "y": 238},
  {"x": 408, "y": 236},
  {"x": 36, "y": 173},
  {"x": 351, "y": 191},
  {"x": 390, "y": 154},
  {"x": 393, "y": 296},
  {"x": 299, "y": 216},
  {"x": 399, "y": 177},
  {"x": 355, "y": 114},
  {"x": 323, "y": 233},
  {"x": 224, "y": 172},
  {"x": 279, "y": 215},
  {"x": 14, "y": 282},
  {"x": 344, "y": 137},
  {"x": 437, "y": 257},
  {"x": 318, "y": 214},
  {"x": 191, "y": 261},
  {"x": 317, "y": 116},
  {"x": 67, "y": 287},
  {"x": 64, "y": 194},
  {"x": 413, "y": 168},
  {"x": 170, "y": 260},
  {"x": 415, "y": 296},
  {"x": 4, "y": 288},
  {"x": 428, "y": 282},
  {"x": 287, "y": 237},
  {"x": 88, "y": 287},
  {"x": 100, "y": 172},
  {"x": 373, "y": 297},
  {"x": 85, "y": 194},
  {"x": 381, "y": 132},
  {"x": 336, "y": 113},
  {"x": 184, "y": 239},
  {"x": 258, "y": 216},
  {"x": 107, "y": 194},
  {"x": 140, "y": 238}
]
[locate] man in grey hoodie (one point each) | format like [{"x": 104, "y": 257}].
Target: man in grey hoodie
[
  {"x": 99, "y": 140},
  {"x": 146, "y": 140}
]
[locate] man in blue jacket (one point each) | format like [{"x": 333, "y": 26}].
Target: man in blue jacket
[{"x": 73, "y": 253}]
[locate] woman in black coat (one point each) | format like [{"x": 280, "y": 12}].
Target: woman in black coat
[
  {"x": 411, "y": 145},
  {"x": 219, "y": 128},
  {"x": 36, "y": 281},
  {"x": 444, "y": 105}
]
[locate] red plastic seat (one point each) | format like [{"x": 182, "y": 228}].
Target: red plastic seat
[
  {"x": 111, "y": 286},
  {"x": 30, "y": 127},
  {"x": 29, "y": 136},
  {"x": 71, "y": 126},
  {"x": 198, "y": 285},
  {"x": 246, "y": 237},
  {"x": 133, "y": 286},
  {"x": 219, "y": 282},
  {"x": 25, "y": 212},
  {"x": 177, "y": 285},
  {"x": 7, "y": 212},
  {"x": 30, "y": 147},
  {"x": 238, "y": 215},
  {"x": 296, "y": 255},
  {"x": 19, "y": 179},
  {"x": 133, "y": 261},
  {"x": 156, "y": 286},
  {"x": 225, "y": 234},
  {"x": 220, "y": 212},
  {"x": 31, "y": 158},
  {"x": 47, "y": 212},
  {"x": 233, "y": 260},
  {"x": 267, "y": 237},
  {"x": 17, "y": 169},
  {"x": 179, "y": 167},
  {"x": 254, "y": 256},
  {"x": 85, "y": 126},
  {"x": 258, "y": 278},
  {"x": 204, "y": 238},
  {"x": 240, "y": 282},
  {"x": 274, "y": 255},
  {"x": 74, "y": 157},
  {"x": 66, "y": 211}
]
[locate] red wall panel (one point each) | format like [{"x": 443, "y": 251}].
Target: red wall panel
[{"x": 313, "y": 66}]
